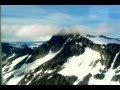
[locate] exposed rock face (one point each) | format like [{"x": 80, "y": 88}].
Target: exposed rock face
[
  {"x": 116, "y": 78},
  {"x": 85, "y": 80},
  {"x": 99, "y": 76},
  {"x": 64, "y": 47}
]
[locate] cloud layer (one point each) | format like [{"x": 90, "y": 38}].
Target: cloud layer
[
  {"x": 28, "y": 32},
  {"x": 44, "y": 32},
  {"x": 28, "y": 23}
]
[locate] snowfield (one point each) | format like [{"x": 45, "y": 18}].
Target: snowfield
[
  {"x": 107, "y": 78},
  {"x": 26, "y": 67},
  {"x": 99, "y": 40},
  {"x": 80, "y": 65}
]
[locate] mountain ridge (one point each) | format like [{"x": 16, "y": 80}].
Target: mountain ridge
[{"x": 46, "y": 65}]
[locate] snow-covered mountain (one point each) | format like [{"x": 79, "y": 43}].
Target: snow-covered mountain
[
  {"x": 31, "y": 44},
  {"x": 102, "y": 39},
  {"x": 35, "y": 45},
  {"x": 64, "y": 60}
]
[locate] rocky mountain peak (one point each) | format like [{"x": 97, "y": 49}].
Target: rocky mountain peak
[{"x": 64, "y": 60}]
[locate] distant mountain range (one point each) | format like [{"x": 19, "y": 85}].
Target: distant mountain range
[
  {"x": 70, "y": 59},
  {"x": 31, "y": 44}
]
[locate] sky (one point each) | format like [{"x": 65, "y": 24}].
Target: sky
[{"x": 40, "y": 22}]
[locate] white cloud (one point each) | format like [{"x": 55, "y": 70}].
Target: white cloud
[
  {"x": 62, "y": 17},
  {"x": 36, "y": 30},
  {"x": 100, "y": 29},
  {"x": 44, "y": 32},
  {"x": 56, "y": 18},
  {"x": 29, "y": 32},
  {"x": 24, "y": 27}
]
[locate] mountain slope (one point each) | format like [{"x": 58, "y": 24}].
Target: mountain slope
[
  {"x": 64, "y": 60},
  {"x": 102, "y": 39}
]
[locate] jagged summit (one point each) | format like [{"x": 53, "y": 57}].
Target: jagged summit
[{"x": 71, "y": 59}]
